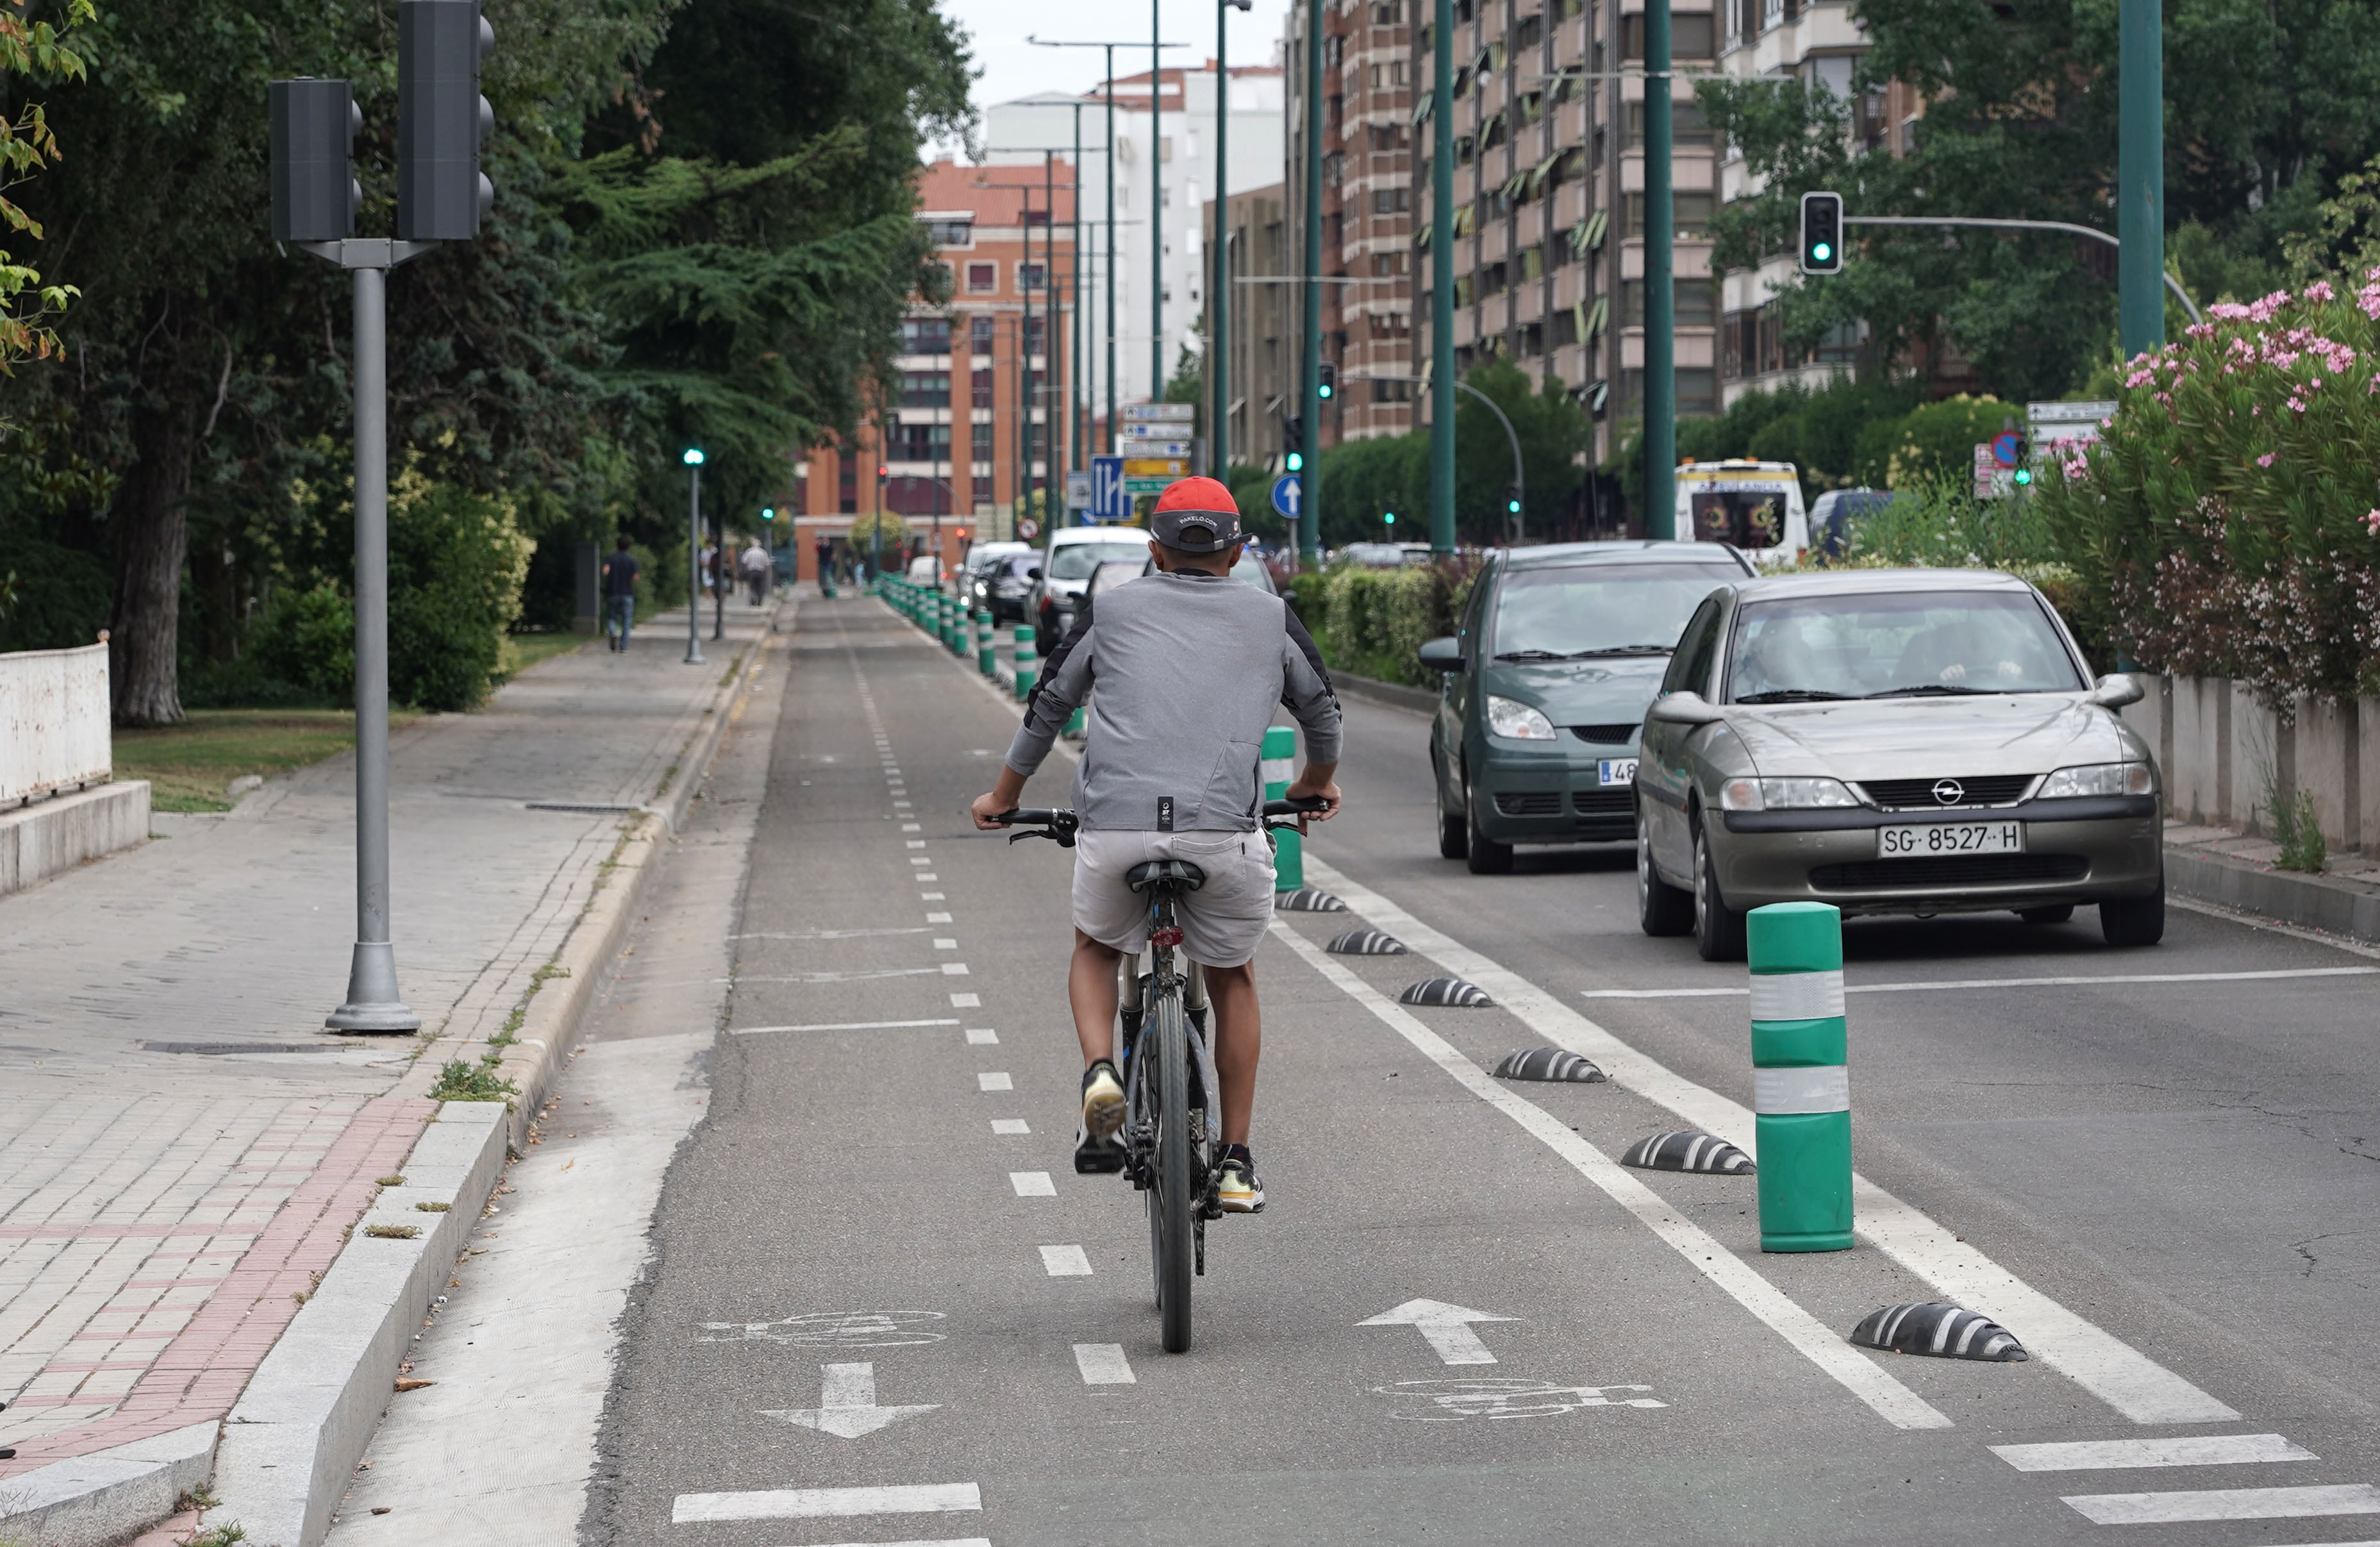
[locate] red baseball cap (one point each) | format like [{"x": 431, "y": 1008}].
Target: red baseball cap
[{"x": 1195, "y": 515}]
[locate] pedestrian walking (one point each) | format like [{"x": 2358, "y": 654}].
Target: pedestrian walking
[
  {"x": 757, "y": 565},
  {"x": 826, "y": 565},
  {"x": 619, "y": 593},
  {"x": 709, "y": 566}
]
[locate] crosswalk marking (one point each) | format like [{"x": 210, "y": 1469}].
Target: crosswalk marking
[
  {"x": 1032, "y": 1184},
  {"x": 2177, "y": 1450},
  {"x": 2227, "y": 1504},
  {"x": 1065, "y": 1261},
  {"x": 802, "y": 1503},
  {"x": 1103, "y": 1364},
  {"x": 955, "y": 969}
]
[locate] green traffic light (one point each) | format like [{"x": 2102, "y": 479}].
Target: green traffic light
[
  {"x": 1390, "y": 516},
  {"x": 2024, "y": 475},
  {"x": 1513, "y": 505},
  {"x": 1296, "y": 461},
  {"x": 767, "y": 513},
  {"x": 1822, "y": 251}
]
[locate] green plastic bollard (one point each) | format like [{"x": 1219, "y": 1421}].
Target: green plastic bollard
[
  {"x": 1024, "y": 665},
  {"x": 959, "y": 631},
  {"x": 943, "y": 622},
  {"x": 983, "y": 643},
  {"x": 1279, "y": 754},
  {"x": 1801, "y": 1085}
]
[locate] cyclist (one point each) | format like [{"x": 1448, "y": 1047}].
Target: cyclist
[{"x": 1188, "y": 665}]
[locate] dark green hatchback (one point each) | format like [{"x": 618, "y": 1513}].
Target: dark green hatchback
[{"x": 1561, "y": 648}]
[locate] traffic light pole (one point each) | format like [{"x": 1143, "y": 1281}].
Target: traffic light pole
[
  {"x": 1660, "y": 434},
  {"x": 1309, "y": 493},
  {"x": 694, "y": 564},
  {"x": 372, "y": 1004},
  {"x": 1442, "y": 278},
  {"x": 2068, "y": 227},
  {"x": 2140, "y": 176}
]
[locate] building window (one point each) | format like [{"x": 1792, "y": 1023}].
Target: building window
[
  {"x": 983, "y": 279},
  {"x": 1028, "y": 276},
  {"x": 1689, "y": 298},
  {"x": 1389, "y": 13},
  {"x": 1689, "y": 35},
  {"x": 1687, "y": 126},
  {"x": 1690, "y": 212},
  {"x": 846, "y": 483},
  {"x": 921, "y": 443},
  {"x": 925, "y": 335},
  {"x": 950, "y": 232},
  {"x": 1391, "y": 200},
  {"x": 1037, "y": 217},
  {"x": 1036, "y": 330},
  {"x": 979, "y": 387},
  {"x": 980, "y": 328},
  {"x": 925, "y": 389},
  {"x": 1530, "y": 32},
  {"x": 983, "y": 490},
  {"x": 1697, "y": 392},
  {"x": 979, "y": 437}
]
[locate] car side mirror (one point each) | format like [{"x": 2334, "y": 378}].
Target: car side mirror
[
  {"x": 2116, "y": 689},
  {"x": 1033, "y": 574},
  {"x": 1443, "y": 653},
  {"x": 1684, "y": 707}
]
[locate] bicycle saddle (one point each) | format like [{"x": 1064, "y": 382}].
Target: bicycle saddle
[{"x": 1148, "y": 872}]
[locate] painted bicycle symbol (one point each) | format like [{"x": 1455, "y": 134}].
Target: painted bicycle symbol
[
  {"x": 1502, "y": 1397},
  {"x": 832, "y": 1329}
]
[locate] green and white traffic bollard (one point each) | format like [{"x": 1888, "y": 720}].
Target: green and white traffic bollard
[
  {"x": 1280, "y": 753},
  {"x": 1801, "y": 1084},
  {"x": 945, "y": 623},
  {"x": 1024, "y": 665},
  {"x": 983, "y": 643}
]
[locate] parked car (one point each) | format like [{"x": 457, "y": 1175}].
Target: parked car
[
  {"x": 1068, "y": 560},
  {"x": 1839, "y": 510},
  {"x": 1755, "y": 507},
  {"x": 1892, "y": 741},
  {"x": 1384, "y": 556},
  {"x": 988, "y": 565},
  {"x": 1560, "y": 651},
  {"x": 1251, "y": 570}
]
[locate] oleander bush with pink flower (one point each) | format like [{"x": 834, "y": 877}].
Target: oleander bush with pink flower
[{"x": 2228, "y": 517}]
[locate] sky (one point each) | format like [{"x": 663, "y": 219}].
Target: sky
[{"x": 1012, "y": 67}]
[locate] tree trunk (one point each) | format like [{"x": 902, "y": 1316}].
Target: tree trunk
[{"x": 150, "y": 515}]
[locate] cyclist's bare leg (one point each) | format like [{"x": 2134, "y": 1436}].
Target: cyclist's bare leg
[
  {"x": 1239, "y": 1036},
  {"x": 1091, "y": 992}
]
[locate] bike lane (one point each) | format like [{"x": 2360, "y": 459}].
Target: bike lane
[{"x": 883, "y": 1309}]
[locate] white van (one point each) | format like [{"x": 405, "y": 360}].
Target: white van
[{"x": 1754, "y": 506}]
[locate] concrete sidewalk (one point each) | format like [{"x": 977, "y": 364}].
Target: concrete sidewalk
[{"x": 183, "y": 1149}]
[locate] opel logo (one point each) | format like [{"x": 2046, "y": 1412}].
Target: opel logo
[{"x": 1949, "y": 792}]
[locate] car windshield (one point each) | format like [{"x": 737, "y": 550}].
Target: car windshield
[
  {"x": 1075, "y": 561},
  {"x": 1599, "y": 609},
  {"x": 1928, "y": 644}
]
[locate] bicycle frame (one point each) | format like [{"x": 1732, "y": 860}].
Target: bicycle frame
[{"x": 1142, "y": 979}]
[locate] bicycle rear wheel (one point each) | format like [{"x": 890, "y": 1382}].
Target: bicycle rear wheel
[{"x": 1172, "y": 1204}]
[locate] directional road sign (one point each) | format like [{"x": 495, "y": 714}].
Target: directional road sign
[
  {"x": 1288, "y": 493},
  {"x": 1109, "y": 501}
]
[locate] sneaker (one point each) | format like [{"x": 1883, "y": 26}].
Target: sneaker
[
  {"x": 1237, "y": 1190},
  {"x": 1102, "y": 1101}
]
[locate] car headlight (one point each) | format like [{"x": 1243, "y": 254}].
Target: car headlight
[
  {"x": 1511, "y": 717},
  {"x": 2099, "y": 779},
  {"x": 1784, "y": 795}
]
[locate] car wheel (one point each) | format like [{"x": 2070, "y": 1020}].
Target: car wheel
[
  {"x": 2056, "y": 913},
  {"x": 1661, "y": 909},
  {"x": 1718, "y": 929},
  {"x": 2129, "y": 921},
  {"x": 1454, "y": 832},
  {"x": 1487, "y": 856}
]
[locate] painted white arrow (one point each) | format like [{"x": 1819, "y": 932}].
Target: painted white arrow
[
  {"x": 1446, "y": 1326},
  {"x": 847, "y": 1405}
]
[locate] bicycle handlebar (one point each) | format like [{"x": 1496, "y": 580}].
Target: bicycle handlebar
[{"x": 1062, "y": 824}]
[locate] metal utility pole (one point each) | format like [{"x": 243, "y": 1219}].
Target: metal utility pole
[
  {"x": 1219, "y": 310},
  {"x": 693, "y": 557},
  {"x": 1077, "y": 359},
  {"x": 1156, "y": 209},
  {"x": 1442, "y": 278},
  {"x": 1052, "y": 326},
  {"x": 1027, "y": 394},
  {"x": 1309, "y": 494},
  {"x": 720, "y": 569},
  {"x": 2140, "y": 176},
  {"x": 1660, "y": 434}
]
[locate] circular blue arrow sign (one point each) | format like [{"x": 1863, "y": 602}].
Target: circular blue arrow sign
[{"x": 1288, "y": 491}]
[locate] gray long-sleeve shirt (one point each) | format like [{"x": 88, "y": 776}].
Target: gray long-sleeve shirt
[{"x": 1188, "y": 667}]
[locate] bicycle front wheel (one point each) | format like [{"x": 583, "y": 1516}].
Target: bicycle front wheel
[{"x": 1172, "y": 1206}]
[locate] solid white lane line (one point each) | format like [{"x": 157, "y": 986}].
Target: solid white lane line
[
  {"x": 803, "y": 1504},
  {"x": 1103, "y": 1364},
  {"x": 828, "y": 934},
  {"x": 1032, "y": 1184},
  {"x": 2102, "y": 1364},
  {"x": 1893, "y": 1402},
  {"x": 1009, "y": 1126},
  {"x": 938, "y": 1542},
  {"x": 1065, "y": 1261},
  {"x": 1931, "y": 986},
  {"x": 993, "y": 1083},
  {"x": 2227, "y": 1504},
  {"x": 978, "y": 1036},
  {"x": 856, "y": 977},
  {"x": 2177, "y": 1450},
  {"x": 840, "y": 1026}
]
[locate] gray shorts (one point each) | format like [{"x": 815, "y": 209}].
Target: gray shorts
[{"x": 1221, "y": 922}]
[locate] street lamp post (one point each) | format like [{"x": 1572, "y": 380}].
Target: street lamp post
[
  {"x": 693, "y": 461},
  {"x": 1310, "y": 504},
  {"x": 1520, "y": 497},
  {"x": 1660, "y": 434},
  {"x": 1218, "y": 310},
  {"x": 719, "y": 570}
]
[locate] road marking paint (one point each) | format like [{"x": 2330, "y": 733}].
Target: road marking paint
[
  {"x": 924, "y": 875},
  {"x": 938, "y": 918},
  {"x": 914, "y": 843},
  {"x": 847, "y": 1406},
  {"x": 1931, "y": 986},
  {"x": 938, "y": 1542},
  {"x": 828, "y": 934},
  {"x": 2336, "y": 942},
  {"x": 1009, "y": 1126},
  {"x": 1446, "y": 1327},
  {"x": 1033, "y": 1184},
  {"x": 2175, "y": 1450},
  {"x": 944, "y": 943},
  {"x": 978, "y": 1036},
  {"x": 918, "y": 860},
  {"x": 1103, "y": 1364},
  {"x": 911, "y": 826},
  {"x": 841, "y": 1026},
  {"x": 930, "y": 896},
  {"x": 1895, "y": 1402},
  {"x": 860, "y": 975},
  {"x": 955, "y": 969},
  {"x": 807, "y": 1504},
  {"x": 2227, "y": 1504},
  {"x": 2102, "y": 1364},
  {"x": 966, "y": 1002},
  {"x": 993, "y": 1083},
  {"x": 1065, "y": 1261}
]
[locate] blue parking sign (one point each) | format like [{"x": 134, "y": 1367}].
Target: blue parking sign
[{"x": 1288, "y": 493}]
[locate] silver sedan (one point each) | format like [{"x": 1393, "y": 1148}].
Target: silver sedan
[{"x": 1892, "y": 741}]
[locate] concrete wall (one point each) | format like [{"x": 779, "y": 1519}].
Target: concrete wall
[
  {"x": 2219, "y": 750},
  {"x": 54, "y": 720},
  {"x": 40, "y": 840}
]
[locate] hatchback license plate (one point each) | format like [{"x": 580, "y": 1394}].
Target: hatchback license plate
[
  {"x": 1615, "y": 771},
  {"x": 1949, "y": 837}
]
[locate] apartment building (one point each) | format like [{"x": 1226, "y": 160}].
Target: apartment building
[{"x": 976, "y": 413}]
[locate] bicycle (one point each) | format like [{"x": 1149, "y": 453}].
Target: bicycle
[{"x": 1173, "y": 1130}]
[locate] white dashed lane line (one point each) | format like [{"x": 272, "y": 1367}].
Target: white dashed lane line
[
  {"x": 1065, "y": 1261},
  {"x": 2177, "y": 1450},
  {"x": 977, "y": 1036},
  {"x": 1032, "y": 1184},
  {"x": 2227, "y": 1504},
  {"x": 1009, "y": 1126},
  {"x": 1103, "y": 1364},
  {"x": 994, "y": 1082},
  {"x": 810, "y": 1503}
]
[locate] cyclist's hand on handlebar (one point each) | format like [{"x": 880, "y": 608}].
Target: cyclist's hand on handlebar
[
  {"x": 1307, "y": 788},
  {"x": 989, "y": 809}
]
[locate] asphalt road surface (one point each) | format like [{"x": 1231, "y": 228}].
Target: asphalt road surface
[{"x": 880, "y": 1308}]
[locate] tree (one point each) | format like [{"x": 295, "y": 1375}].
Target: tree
[{"x": 40, "y": 54}]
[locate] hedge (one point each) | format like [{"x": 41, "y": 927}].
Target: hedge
[{"x": 1372, "y": 622}]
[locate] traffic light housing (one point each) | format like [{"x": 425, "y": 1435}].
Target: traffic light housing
[
  {"x": 315, "y": 194},
  {"x": 443, "y": 122},
  {"x": 1512, "y": 499},
  {"x": 2023, "y": 476},
  {"x": 1329, "y": 380},
  {"x": 1822, "y": 232},
  {"x": 767, "y": 513}
]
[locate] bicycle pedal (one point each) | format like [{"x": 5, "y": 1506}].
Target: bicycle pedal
[{"x": 1106, "y": 1160}]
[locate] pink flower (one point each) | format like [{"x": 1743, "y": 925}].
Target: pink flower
[
  {"x": 2371, "y": 522},
  {"x": 2319, "y": 291},
  {"x": 2200, "y": 330},
  {"x": 2139, "y": 378},
  {"x": 2266, "y": 460}
]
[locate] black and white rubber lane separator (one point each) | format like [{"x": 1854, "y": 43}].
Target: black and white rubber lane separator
[
  {"x": 1366, "y": 943},
  {"x": 1688, "y": 1150},
  {"x": 1552, "y": 1064},
  {"x": 1305, "y": 900},
  {"x": 1938, "y": 1331},
  {"x": 1451, "y": 991}
]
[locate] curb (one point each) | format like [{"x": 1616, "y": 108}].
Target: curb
[
  {"x": 1394, "y": 694},
  {"x": 293, "y": 1438},
  {"x": 2317, "y": 902}
]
